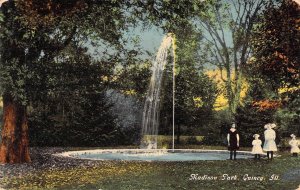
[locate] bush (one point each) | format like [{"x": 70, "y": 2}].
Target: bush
[
  {"x": 89, "y": 123},
  {"x": 214, "y": 140},
  {"x": 251, "y": 121},
  {"x": 192, "y": 140}
]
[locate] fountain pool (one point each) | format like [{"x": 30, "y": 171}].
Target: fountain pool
[{"x": 153, "y": 155}]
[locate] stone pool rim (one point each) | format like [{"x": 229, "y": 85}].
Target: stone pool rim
[{"x": 77, "y": 153}]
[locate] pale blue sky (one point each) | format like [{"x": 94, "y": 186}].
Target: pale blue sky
[{"x": 149, "y": 40}]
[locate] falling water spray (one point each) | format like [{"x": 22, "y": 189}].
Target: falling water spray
[{"x": 151, "y": 111}]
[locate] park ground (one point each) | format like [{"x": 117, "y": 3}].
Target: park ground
[{"x": 51, "y": 172}]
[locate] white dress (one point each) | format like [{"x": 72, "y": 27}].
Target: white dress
[
  {"x": 270, "y": 144},
  {"x": 256, "y": 149},
  {"x": 294, "y": 146}
]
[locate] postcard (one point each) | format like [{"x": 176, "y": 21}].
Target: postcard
[{"x": 147, "y": 95}]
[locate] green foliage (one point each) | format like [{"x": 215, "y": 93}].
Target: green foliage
[
  {"x": 275, "y": 61},
  {"x": 167, "y": 14},
  {"x": 36, "y": 33},
  {"x": 1, "y": 117},
  {"x": 94, "y": 125},
  {"x": 13, "y": 67},
  {"x": 70, "y": 107},
  {"x": 251, "y": 121},
  {"x": 289, "y": 120},
  {"x": 216, "y": 128},
  {"x": 227, "y": 30},
  {"x": 89, "y": 123},
  {"x": 195, "y": 93},
  {"x": 133, "y": 79},
  {"x": 276, "y": 43},
  {"x": 12, "y": 79}
]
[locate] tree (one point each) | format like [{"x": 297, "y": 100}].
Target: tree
[
  {"x": 276, "y": 43},
  {"x": 276, "y": 61},
  {"x": 72, "y": 108},
  {"x": 251, "y": 117},
  {"x": 228, "y": 28},
  {"x": 14, "y": 146},
  {"x": 33, "y": 34}
]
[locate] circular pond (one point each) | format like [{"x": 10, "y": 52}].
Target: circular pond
[{"x": 154, "y": 155}]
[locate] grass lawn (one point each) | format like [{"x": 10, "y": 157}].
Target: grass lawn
[{"x": 116, "y": 175}]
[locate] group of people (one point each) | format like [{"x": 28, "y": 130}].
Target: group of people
[{"x": 269, "y": 146}]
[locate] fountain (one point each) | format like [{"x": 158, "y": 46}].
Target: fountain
[
  {"x": 148, "y": 148},
  {"x": 152, "y": 103}
]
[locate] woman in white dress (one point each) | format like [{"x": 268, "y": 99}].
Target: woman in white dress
[
  {"x": 294, "y": 145},
  {"x": 270, "y": 136},
  {"x": 257, "y": 149}
]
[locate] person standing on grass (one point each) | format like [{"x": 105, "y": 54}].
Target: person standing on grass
[
  {"x": 294, "y": 145},
  {"x": 270, "y": 136},
  {"x": 257, "y": 149},
  {"x": 233, "y": 140}
]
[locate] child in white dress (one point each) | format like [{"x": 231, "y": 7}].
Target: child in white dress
[
  {"x": 257, "y": 149},
  {"x": 294, "y": 145},
  {"x": 270, "y": 136}
]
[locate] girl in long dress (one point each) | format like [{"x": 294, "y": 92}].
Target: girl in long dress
[
  {"x": 270, "y": 136},
  {"x": 233, "y": 140},
  {"x": 294, "y": 145},
  {"x": 257, "y": 149}
]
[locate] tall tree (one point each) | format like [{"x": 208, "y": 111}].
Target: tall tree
[
  {"x": 228, "y": 27},
  {"x": 33, "y": 34},
  {"x": 276, "y": 61},
  {"x": 72, "y": 107},
  {"x": 14, "y": 146},
  {"x": 276, "y": 44}
]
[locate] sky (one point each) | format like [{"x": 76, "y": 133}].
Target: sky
[{"x": 150, "y": 39}]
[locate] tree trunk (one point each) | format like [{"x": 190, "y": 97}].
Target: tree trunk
[
  {"x": 15, "y": 144},
  {"x": 238, "y": 89},
  {"x": 178, "y": 134}
]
